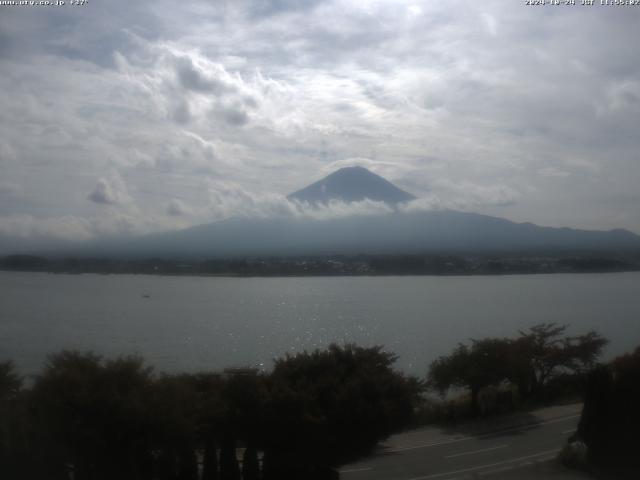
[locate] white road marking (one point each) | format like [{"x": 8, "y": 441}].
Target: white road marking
[
  {"x": 426, "y": 445},
  {"x": 462, "y": 439},
  {"x": 476, "y": 451},
  {"x": 489, "y": 465},
  {"x": 353, "y": 470},
  {"x": 518, "y": 465},
  {"x": 569, "y": 431}
]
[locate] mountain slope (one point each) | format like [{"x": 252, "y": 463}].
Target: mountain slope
[
  {"x": 351, "y": 184},
  {"x": 393, "y": 233},
  {"x": 397, "y": 233}
]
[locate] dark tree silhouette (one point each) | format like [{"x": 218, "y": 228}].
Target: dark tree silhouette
[
  {"x": 542, "y": 352},
  {"x": 13, "y": 429},
  {"x": 211, "y": 410},
  {"x": 229, "y": 468},
  {"x": 175, "y": 407},
  {"x": 209, "y": 460},
  {"x": 250, "y": 464},
  {"x": 330, "y": 405},
  {"x": 92, "y": 415},
  {"x": 611, "y": 417},
  {"x": 10, "y": 381},
  {"x": 595, "y": 422},
  {"x": 529, "y": 362},
  {"x": 97, "y": 419},
  {"x": 474, "y": 367}
]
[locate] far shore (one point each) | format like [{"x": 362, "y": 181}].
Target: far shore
[{"x": 333, "y": 265}]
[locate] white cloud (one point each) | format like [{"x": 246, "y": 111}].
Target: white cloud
[
  {"x": 177, "y": 208},
  {"x": 490, "y": 22},
  {"x": 67, "y": 227},
  {"x": 109, "y": 191},
  {"x": 226, "y": 200},
  {"x": 485, "y": 106},
  {"x": 467, "y": 195}
]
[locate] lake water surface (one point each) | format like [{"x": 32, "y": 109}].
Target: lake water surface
[{"x": 195, "y": 323}]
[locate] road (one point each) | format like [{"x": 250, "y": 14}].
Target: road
[{"x": 474, "y": 451}]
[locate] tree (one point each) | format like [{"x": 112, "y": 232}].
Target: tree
[
  {"x": 210, "y": 460},
  {"x": 210, "y": 420},
  {"x": 175, "y": 407},
  {"x": 93, "y": 415},
  {"x": 541, "y": 353},
  {"x": 10, "y": 381},
  {"x": 328, "y": 406},
  {"x": 250, "y": 464},
  {"x": 13, "y": 424},
  {"x": 529, "y": 362},
  {"x": 229, "y": 468},
  {"x": 474, "y": 367},
  {"x": 611, "y": 417}
]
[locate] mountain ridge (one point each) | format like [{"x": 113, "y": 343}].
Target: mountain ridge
[{"x": 395, "y": 232}]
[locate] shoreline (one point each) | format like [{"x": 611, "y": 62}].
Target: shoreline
[{"x": 324, "y": 275}]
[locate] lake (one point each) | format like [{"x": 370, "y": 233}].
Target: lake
[{"x": 195, "y": 323}]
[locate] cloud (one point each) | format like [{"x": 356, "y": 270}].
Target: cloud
[
  {"x": 197, "y": 78},
  {"x": 226, "y": 200},
  {"x": 9, "y": 189},
  {"x": 180, "y": 111},
  {"x": 72, "y": 228},
  {"x": 177, "y": 208},
  {"x": 425, "y": 204},
  {"x": 338, "y": 209},
  {"x": 553, "y": 172},
  {"x": 234, "y": 116},
  {"x": 266, "y": 8},
  {"x": 6, "y": 151},
  {"x": 466, "y": 195},
  {"x": 109, "y": 192},
  {"x": 486, "y": 106},
  {"x": 623, "y": 95},
  {"x": 490, "y": 23},
  {"x": 66, "y": 228},
  {"x": 103, "y": 193}
]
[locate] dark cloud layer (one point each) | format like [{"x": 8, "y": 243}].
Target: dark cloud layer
[{"x": 113, "y": 111}]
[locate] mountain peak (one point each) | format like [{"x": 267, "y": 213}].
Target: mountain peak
[{"x": 352, "y": 184}]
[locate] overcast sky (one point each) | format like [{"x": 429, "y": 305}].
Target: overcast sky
[{"x": 129, "y": 117}]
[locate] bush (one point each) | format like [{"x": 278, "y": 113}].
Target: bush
[
  {"x": 611, "y": 415},
  {"x": 574, "y": 455},
  {"x": 329, "y": 406}
]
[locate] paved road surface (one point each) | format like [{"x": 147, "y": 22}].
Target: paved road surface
[{"x": 491, "y": 450}]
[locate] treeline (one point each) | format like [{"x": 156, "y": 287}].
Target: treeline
[
  {"x": 327, "y": 265},
  {"x": 89, "y": 418}
]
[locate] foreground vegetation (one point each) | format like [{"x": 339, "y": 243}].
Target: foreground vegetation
[
  {"x": 543, "y": 365},
  {"x": 106, "y": 419},
  {"x": 538, "y": 366},
  {"x": 86, "y": 417},
  {"x": 611, "y": 417}
]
